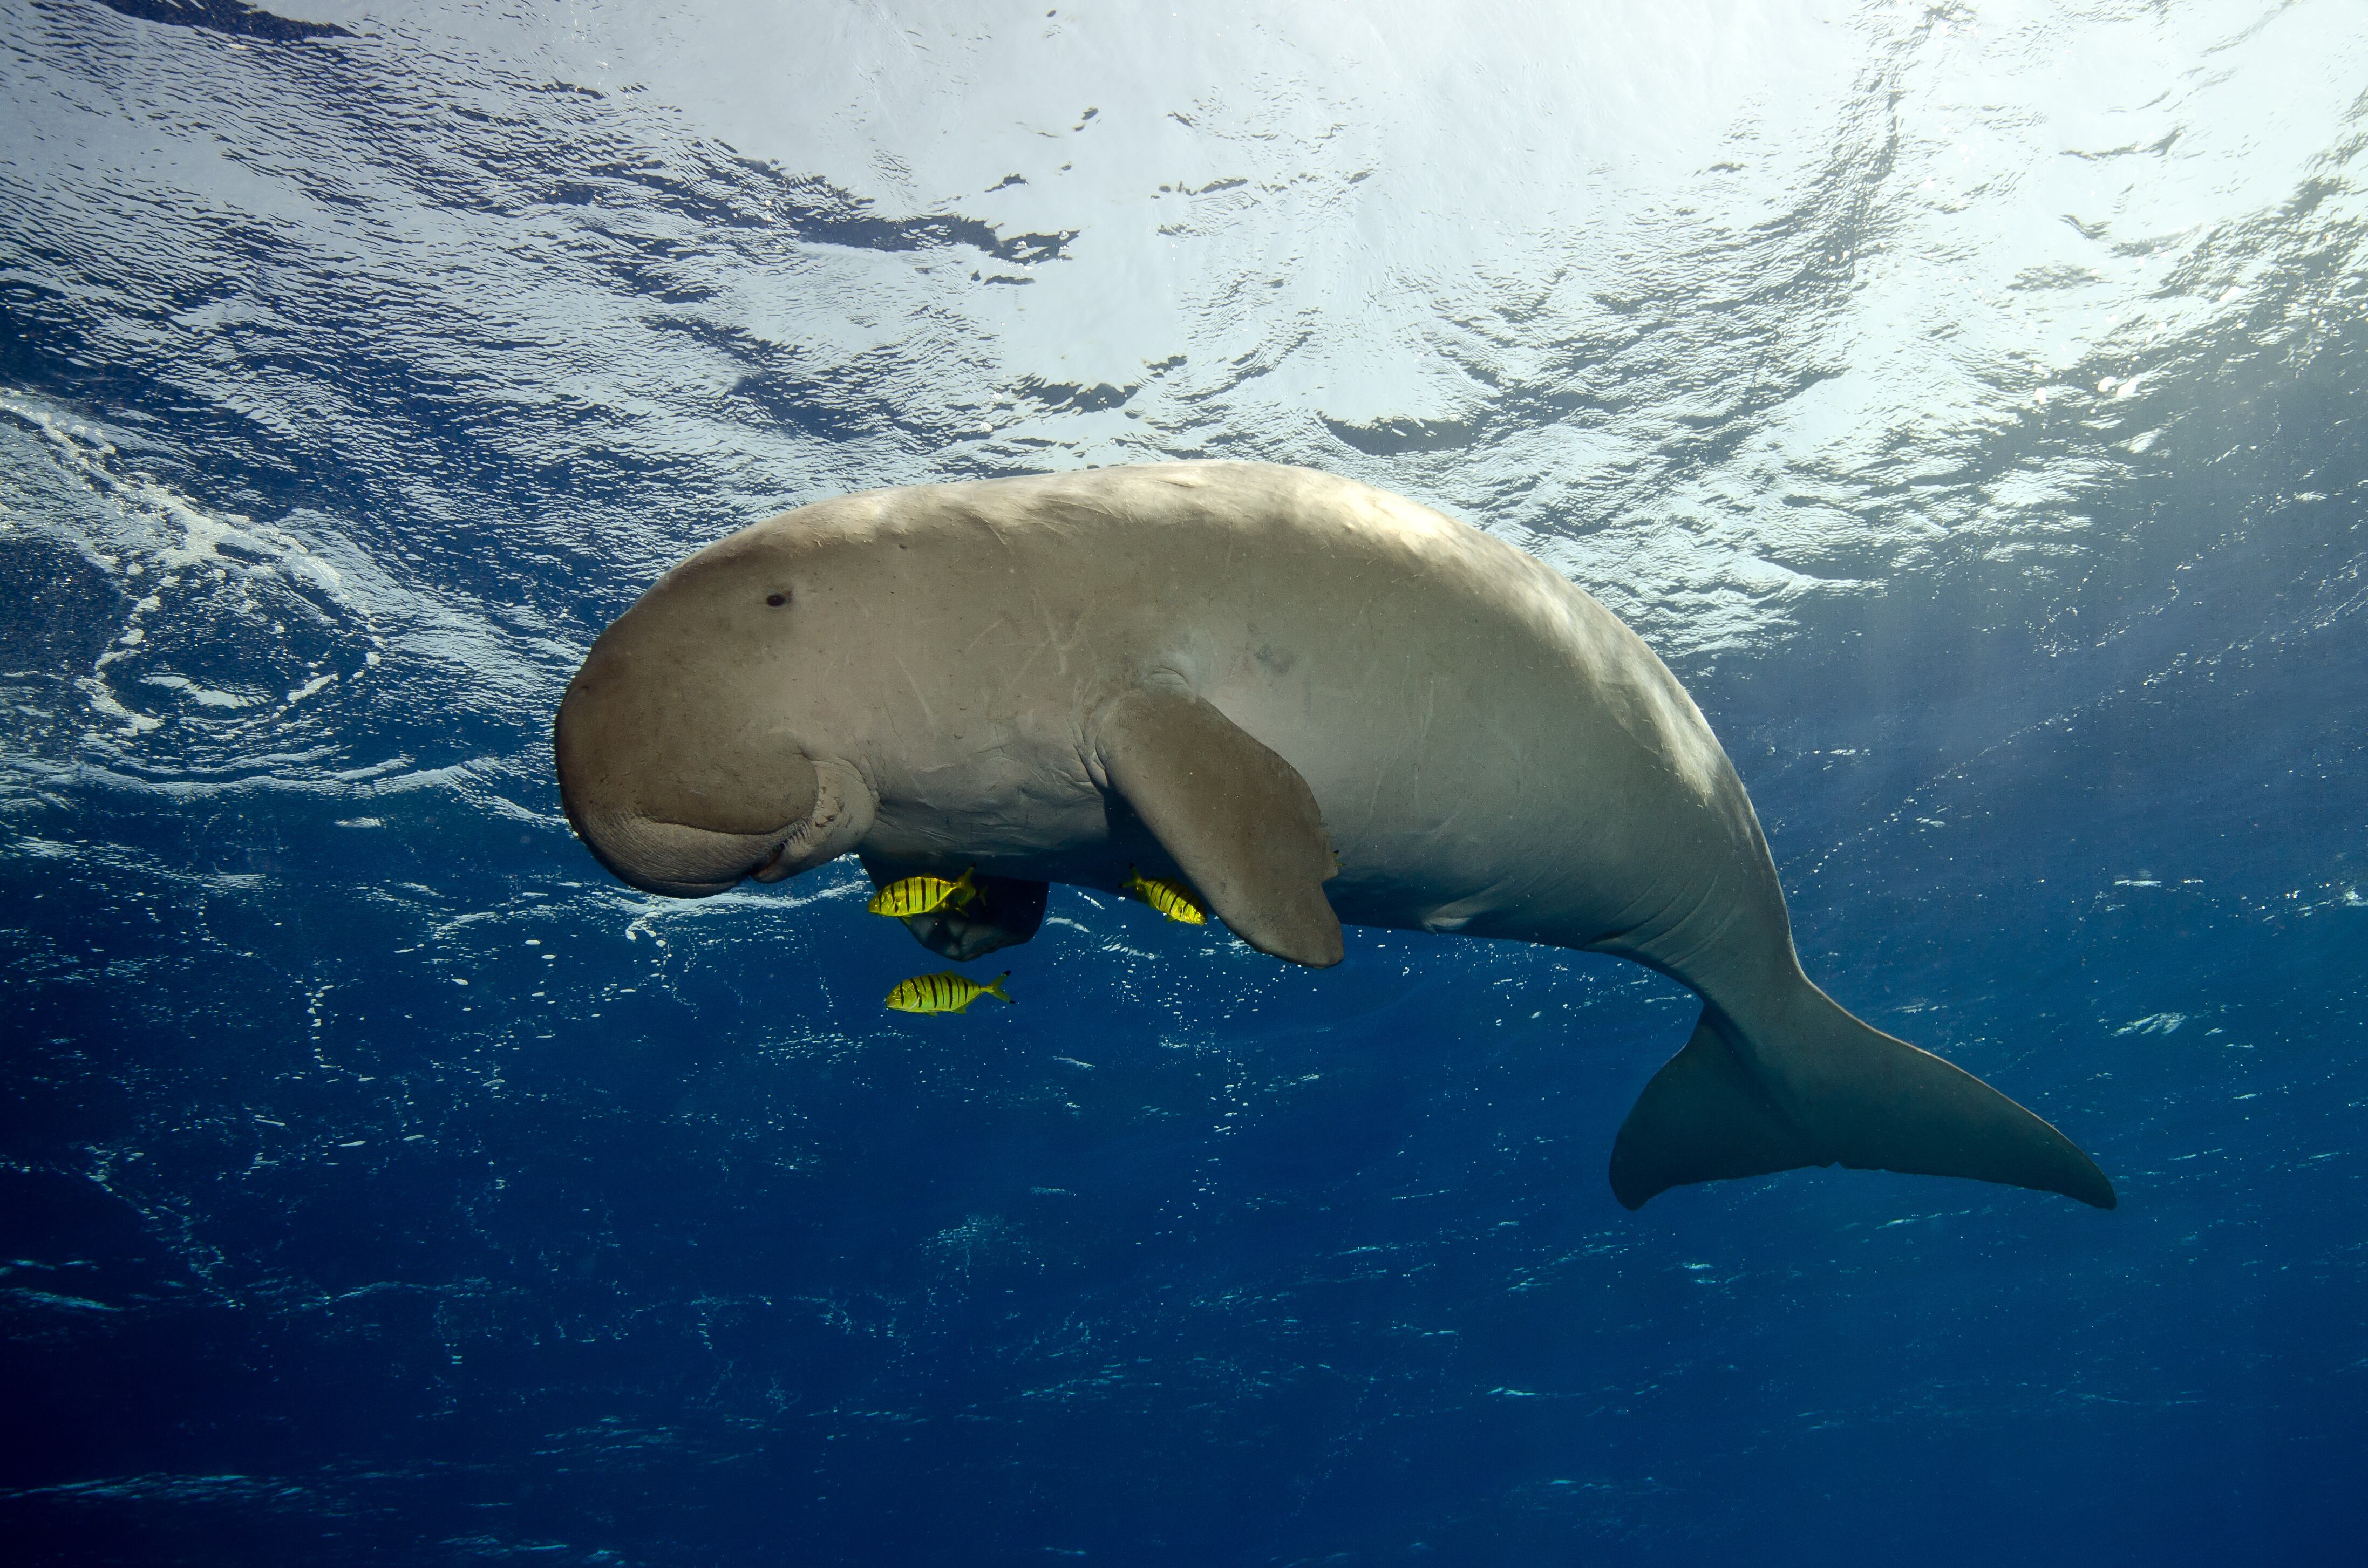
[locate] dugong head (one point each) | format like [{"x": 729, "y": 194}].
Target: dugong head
[{"x": 680, "y": 761}]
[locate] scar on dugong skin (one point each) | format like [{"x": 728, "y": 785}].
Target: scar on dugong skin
[{"x": 1233, "y": 673}]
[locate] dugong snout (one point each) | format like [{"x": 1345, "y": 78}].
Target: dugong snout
[
  {"x": 667, "y": 858},
  {"x": 677, "y": 796}
]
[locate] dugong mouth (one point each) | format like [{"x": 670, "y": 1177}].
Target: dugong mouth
[
  {"x": 674, "y": 858},
  {"x": 679, "y": 860}
]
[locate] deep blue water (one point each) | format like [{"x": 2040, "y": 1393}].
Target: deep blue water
[{"x": 1966, "y": 400}]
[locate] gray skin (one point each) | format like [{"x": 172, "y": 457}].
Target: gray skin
[{"x": 1315, "y": 700}]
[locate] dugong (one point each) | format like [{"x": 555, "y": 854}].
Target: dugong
[{"x": 1315, "y": 701}]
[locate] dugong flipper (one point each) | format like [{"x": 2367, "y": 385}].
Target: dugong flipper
[
  {"x": 1240, "y": 821},
  {"x": 1317, "y": 702}
]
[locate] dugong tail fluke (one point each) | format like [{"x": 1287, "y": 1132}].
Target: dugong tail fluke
[{"x": 1809, "y": 1085}]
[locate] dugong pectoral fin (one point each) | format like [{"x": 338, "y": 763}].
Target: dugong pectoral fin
[
  {"x": 1239, "y": 821},
  {"x": 1833, "y": 1090}
]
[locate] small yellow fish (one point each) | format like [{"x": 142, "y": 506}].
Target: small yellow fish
[
  {"x": 1172, "y": 899},
  {"x": 908, "y": 896},
  {"x": 946, "y": 993}
]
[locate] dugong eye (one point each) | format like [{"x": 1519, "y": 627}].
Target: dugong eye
[{"x": 777, "y": 600}]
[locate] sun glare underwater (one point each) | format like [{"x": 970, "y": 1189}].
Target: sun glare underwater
[{"x": 1961, "y": 398}]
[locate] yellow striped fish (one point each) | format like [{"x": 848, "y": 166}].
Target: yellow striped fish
[
  {"x": 908, "y": 896},
  {"x": 1172, "y": 899},
  {"x": 946, "y": 993}
]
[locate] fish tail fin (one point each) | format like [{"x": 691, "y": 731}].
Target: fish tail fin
[
  {"x": 995, "y": 987},
  {"x": 1819, "y": 1087}
]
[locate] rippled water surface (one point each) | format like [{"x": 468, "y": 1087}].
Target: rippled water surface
[{"x": 1964, "y": 399}]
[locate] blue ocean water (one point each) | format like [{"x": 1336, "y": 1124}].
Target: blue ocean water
[{"x": 1962, "y": 398}]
